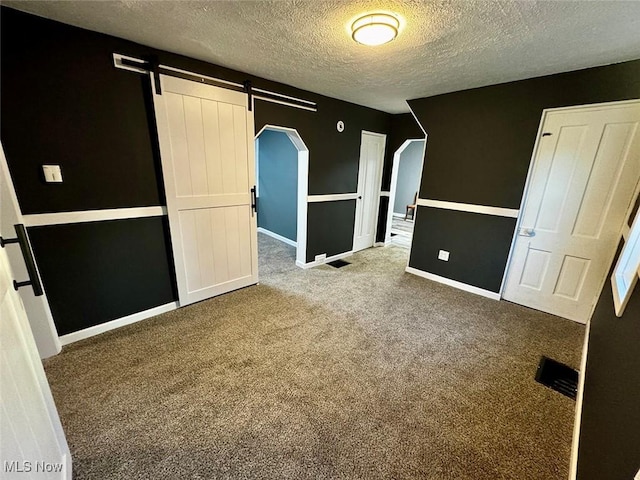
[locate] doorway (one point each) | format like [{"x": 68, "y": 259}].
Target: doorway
[
  {"x": 582, "y": 180},
  {"x": 405, "y": 183},
  {"x": 369, "y": 179},
  {"x": 282, "y": 169}
]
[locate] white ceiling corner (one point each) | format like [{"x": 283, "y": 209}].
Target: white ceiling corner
[{"x": 443, "y": 46}]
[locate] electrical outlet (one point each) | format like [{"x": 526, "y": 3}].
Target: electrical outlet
[
  {"x": 443, "y": 255},
  {"x": 321, "y": 258}
]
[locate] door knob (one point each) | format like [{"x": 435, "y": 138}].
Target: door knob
[{"x": 527, "y": 232}]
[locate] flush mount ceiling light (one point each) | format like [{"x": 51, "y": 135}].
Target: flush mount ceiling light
[{"x": 375, "y": 29}]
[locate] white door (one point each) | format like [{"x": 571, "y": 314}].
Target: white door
[
  {"x": 38, "y": 312},
  {"x": 206, "y": 147},
  {"x": 582, "y": 182},
  {"x": 32, "y": 442},
  {"x": 369, "y": 178}
]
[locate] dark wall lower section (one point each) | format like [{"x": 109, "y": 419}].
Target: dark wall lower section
[
  {"x": 100, "y": 271},
  {"x": 479, "y": 245},
  {"x": 610, "y": 427},
  {"x": 383, "y": 210},
  {"x": 338, "y": 237}
]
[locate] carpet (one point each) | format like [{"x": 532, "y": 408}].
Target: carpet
[{"x": 353, "y": 373}]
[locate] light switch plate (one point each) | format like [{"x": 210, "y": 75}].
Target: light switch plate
[
  {"x": 443, "y": 255},
  {"x": 52, "y": 173}
]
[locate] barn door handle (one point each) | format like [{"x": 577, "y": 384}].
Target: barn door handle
[
  {"x": 254, "y": 201},
  {"x": 27, "y": 254}
]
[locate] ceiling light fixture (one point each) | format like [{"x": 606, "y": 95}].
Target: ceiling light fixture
[{"x": 375, "y": 29}]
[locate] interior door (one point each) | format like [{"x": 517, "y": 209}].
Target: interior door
[
  {"x": 583, "y": 180},
  {"x": 369, "y": 176},
  {"x": 32, "y": 442},
  {"x": 37, "y": 307},
  {"x": 207, "y": 152}
]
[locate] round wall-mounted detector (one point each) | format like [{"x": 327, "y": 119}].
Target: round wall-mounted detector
[{"x": 340, "y": 126}]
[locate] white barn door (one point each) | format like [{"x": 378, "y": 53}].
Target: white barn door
[
  {"x": 369, "y": 178},
  {"x": 583, "y": 180},
  {"x": 32, "y": 442},
  {"x": 207, "y": 152}
]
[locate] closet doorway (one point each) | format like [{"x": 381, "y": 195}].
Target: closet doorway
[
  {"x": 282, "y": 168},
  {"x": 405, "y": 184}
]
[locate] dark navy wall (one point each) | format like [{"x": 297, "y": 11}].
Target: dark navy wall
[
  {"x": 610, "y": 426},
  {"x": 277, "y": 184}
]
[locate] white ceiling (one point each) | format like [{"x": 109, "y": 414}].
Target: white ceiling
[{"x": 443, "y": 46}]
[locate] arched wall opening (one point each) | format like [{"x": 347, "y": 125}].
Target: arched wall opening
[
  {"x": 402, "y": 194},
  {"x": 285, "y": 231}
]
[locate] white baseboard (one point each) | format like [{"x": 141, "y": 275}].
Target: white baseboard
[
  {"x": 398, "y": 215},
  {"x": 277, "y": 237},
  {"x": 573, "y": 467},
  {"x": 454, "y": 283},
  {"x": 326, "y": 260},
  {"x": 379, "y": 244},
  {"x": 117, "y": 323}
]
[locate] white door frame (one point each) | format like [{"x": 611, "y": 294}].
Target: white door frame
[
  {"x": 303, "y": 186},
  {"x": 529, "y": 179},
  {"x": 38, "y": 310},
  {"x": 394, "y": 182},
  {"x": 378, "y": 183}
]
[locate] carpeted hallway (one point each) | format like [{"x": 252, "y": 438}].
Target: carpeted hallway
[{"x": 362, "y": 372}]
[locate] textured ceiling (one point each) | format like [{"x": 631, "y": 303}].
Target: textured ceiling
[{"x": 443, "y": 46}]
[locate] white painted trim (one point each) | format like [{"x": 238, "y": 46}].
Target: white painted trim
[
  {"x": 117, "y": 323},
  {"x": 467, "y": 207},
  {"x": 326, "y": 260},
  {"x": 335, "y": 197},
  {"x": 282, "y": 102},
  {"x": 287, "y": 97},
  {"x": 286, "y": 240},
  {"x": 592, "y": 106},
  {"x": 379, "y": 244},
  {"x": 573, "y": 466},
  {"x": 61, "y": 218},
  {"x": 385, "y": 194},
  {"x": 394, "y": 182},
  {"x": 303, "y": 187},
  {"x": 454, "y": 283},
  {"x": 117, "y": 62},
  {"x": 398, "y": 215},
  {"x": 201, "y": 76}
]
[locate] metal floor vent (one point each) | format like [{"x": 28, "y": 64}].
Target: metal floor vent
[
  {"x": 558, "y": 376},
  {"x": 338, "y": 263}
]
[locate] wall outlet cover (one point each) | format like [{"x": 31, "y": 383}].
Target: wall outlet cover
[
  {"x": 321, "y": 258},
  {"x": 443, "y": 255}
]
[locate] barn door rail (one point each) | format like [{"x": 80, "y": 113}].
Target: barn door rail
[
  {"x": 151, "y": 65},
  {"x": 27, "y": 255}
]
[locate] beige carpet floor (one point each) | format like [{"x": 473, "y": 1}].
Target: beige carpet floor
[{"x": 363, "y": 372}]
